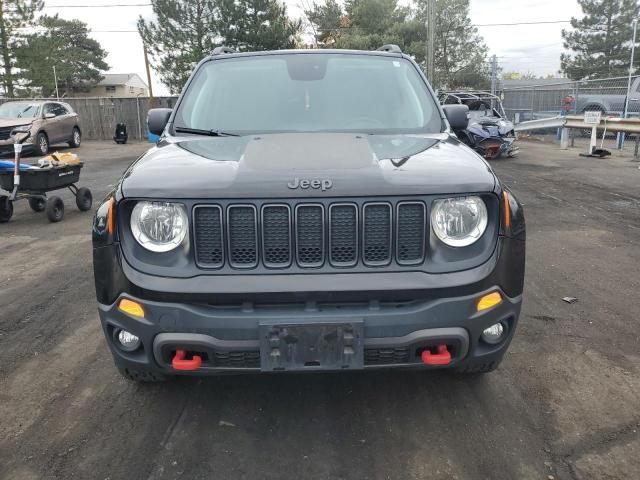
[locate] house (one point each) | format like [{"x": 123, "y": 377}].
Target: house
[{"x": 117, "y": 85}]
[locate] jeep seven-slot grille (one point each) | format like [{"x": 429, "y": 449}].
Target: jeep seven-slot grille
[{"x": 310, "y": 235}]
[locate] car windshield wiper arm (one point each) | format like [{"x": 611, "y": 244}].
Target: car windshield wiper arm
[{"x": 211, "y": 133}]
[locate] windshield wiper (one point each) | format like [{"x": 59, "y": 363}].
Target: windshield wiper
[{"x": 211, "y": 133}]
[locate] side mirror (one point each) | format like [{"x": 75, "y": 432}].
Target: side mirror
[
  {"x": 457, "y": 116},
  {"x": 157, "y": 119},
  {"x": 49, "y": 115}
]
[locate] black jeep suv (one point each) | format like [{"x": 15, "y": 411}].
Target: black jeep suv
[{"x": 308, "y": 211}]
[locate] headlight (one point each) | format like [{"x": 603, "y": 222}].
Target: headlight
[
  {"x": 159, "y": 226},
  {"x": 459, "y": 221},
  {"x": 21, "y": 129}
]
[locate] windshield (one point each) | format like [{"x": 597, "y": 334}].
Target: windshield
[
  {"x": 309, "y": 93},
  {"x": 19, "y": 110}
]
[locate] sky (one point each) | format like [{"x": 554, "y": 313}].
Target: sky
[{"x": 521, "y": 48}]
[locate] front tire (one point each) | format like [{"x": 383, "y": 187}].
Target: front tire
[
  {"x": 76, "y": 138},
  {"x": 55, "y": 209},
  {"x": 6, "y": 209},
  {"x": 42, "y": 144},
  {"x": 84, "y": 199},
  {"x": 37, "y": 204}
]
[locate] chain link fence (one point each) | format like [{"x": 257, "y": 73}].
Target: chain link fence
[{"x": 607, "y": 95}]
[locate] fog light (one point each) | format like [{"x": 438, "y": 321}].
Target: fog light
[
  {"x": 494, "y": 333},
  {"x": 128, "y": 341}
]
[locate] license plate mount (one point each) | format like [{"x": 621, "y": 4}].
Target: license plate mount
[{"x": 321, "y": 345}]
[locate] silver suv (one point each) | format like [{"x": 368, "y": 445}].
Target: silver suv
[{"x": 47, "y": 122}]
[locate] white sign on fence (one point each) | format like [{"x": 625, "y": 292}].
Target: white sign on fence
[{"x": 592, "y": 118}]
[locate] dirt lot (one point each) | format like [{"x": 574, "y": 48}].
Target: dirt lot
[{"x": 565, "y": 402}]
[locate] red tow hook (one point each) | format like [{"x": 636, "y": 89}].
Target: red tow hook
[
  {"x": 179, "y": 361},
  {"x": 442, "y": 357}
]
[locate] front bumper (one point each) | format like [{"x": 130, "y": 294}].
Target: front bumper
[
  {"x": 394, "y": 334},
  {"x": 400, "y": 313}
]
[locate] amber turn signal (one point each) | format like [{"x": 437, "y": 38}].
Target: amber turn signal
[
  {"x": 488, "y": 301},
  {"x": 131, "y": 308}
]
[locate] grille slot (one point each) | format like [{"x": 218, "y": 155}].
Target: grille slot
[
  {"x": 5, "y": 132},
  {"x": 410, "y": 233},
  {"x": 343, "y": 234},
  {"x": 376, "y": 234},
  {"x": 310, "y": 235},
  {"x": 276, "y": 236},
  {"x": 208, "y": 236},
  {"x": 242, "y": 236},
  {"x": 386, "y": 356},
  {"x": 237, "y": 359}
]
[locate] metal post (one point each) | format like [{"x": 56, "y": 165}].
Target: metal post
[
  {"x": 626, "y": 100},
  {"x": 138, "y": 110},
  {"x": 575, "y": 112},
  {"x": 55, "y": 78}
]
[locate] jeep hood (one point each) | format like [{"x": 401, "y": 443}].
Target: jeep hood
[{"x": 261, "y": 166}]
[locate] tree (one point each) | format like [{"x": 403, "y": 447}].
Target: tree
[
  {"x": 66, "y": 45},
  {"x": 460, "y": 53},
  {"x": 326, "y": 20},
  {"x": 14, "y": 14},
  {"x": 259, "y": 25},
  {"x": 182, "y": 34},
  {"x": 186, "y": 31},
  {"x": 601, "y": 40}
]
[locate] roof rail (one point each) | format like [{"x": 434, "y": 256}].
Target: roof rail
[
  {"x": 390, "y": 48},
  {"x": 223, "y": 49}
]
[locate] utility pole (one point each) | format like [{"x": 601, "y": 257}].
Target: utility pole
[
  {"x": 494, "y": 74},
  {"x": 55, "y": 78},
  {"x": 626, "y": 101},
  {"x": 146, "y": 66},
  {"x": 431, "y": 41}
]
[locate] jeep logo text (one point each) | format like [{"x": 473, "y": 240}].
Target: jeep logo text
[{"x": 306, "y": 183}]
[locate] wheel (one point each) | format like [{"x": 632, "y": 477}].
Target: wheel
[
  {"x": 142, "y": 376},
  {"x": 42, "y": 144},
  {"x": 55, "y": 209},
  {"x": 84, "y": 199},
  {"x": 6, "y": 209},
  {"x": 37, "y": 204},
  {"x": 76, "y": 137}
]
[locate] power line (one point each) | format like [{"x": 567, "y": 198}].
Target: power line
[
  {"x": 101, "y": 6},
  {"x": 520, "y": 23}
]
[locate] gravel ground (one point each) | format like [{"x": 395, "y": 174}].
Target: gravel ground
[{"x": 565, "y": 403}]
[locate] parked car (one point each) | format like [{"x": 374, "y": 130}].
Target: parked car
[
  {"x": 611, "y": 104},
  {"x": 308, "y": 210},
  {"x": 47, "y": 122},
  {"x": 489, "y": 132}
]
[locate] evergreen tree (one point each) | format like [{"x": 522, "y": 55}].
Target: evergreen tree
[
  {"x": 186, "y": 31},
  {"x": 182, "y": 34},
  {"x": 14, "y": 14},
  {"x": 66, "y": 45},
  {"x": 326, "y": 20},
  {"x": 260, "y": 25},
  {"x": 601, "y": 40},
  {"x": 460, "y": 53}
]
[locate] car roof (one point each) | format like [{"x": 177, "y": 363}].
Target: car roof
[{"x": 308, "y": 51}]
